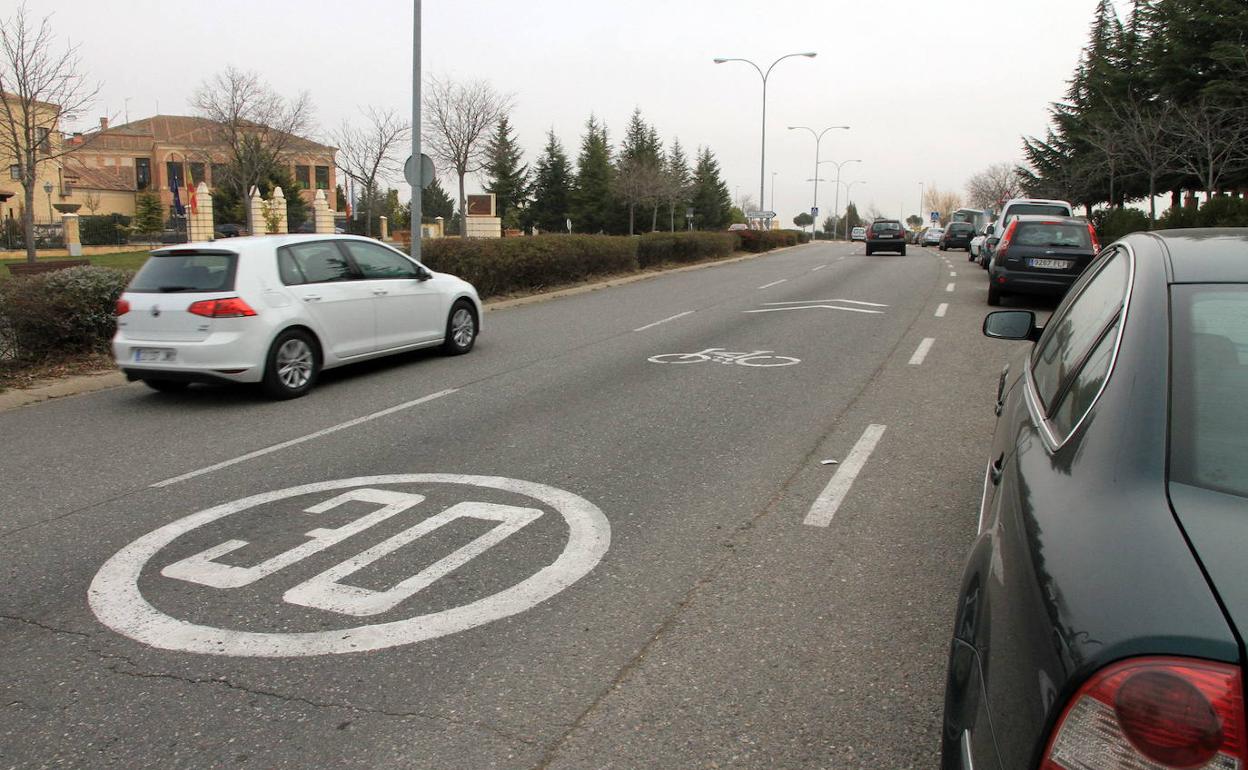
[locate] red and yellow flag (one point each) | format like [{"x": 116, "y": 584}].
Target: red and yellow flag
[{"x": 190, "y": 191}]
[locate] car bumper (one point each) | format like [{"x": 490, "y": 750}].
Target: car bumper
[
  {"x": 897, "y": 245},
  {"x": 220, "y": 357},
  {"x": 1028, "y": 282}
]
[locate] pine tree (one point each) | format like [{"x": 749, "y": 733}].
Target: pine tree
[
  {"x": 710, "y": 199},
  {"x": 592, "y": 201},
  {"x": 551, "y": 188},
  {"x": 435, "y": 202},
  {"x": 676, "y": 173},
  {"x": 506, "y": 177}
]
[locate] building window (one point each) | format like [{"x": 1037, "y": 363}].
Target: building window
[
  {"x": 15, "y": 171},
  {"x": 143, "y": 173},
  {"x": 220, "y": 171},
  {"x": 197, "y": 172},
  {"x": 322, "y": 177},
  {"x": 173, "y": 173},
  {"x": 303, "y": 175},
  {"x": 41, "y": 139}
]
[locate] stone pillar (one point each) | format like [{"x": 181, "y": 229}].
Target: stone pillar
[
  {"x": 255, "y": 213},
  {"x": 322, "y": 217},
  {"x": 200, "y": 220},
  {"x": 278, "y": 205},
  {"x": 441, "y": 230},
  {"x": 385, "y": 228},
  {"x": 72, "y": 240}
]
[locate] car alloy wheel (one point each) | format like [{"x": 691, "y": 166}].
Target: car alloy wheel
[
  {"x": 292, "y": 366},
  {"x": 461, "y": 329},
  {"x": 294, "y": 363}
]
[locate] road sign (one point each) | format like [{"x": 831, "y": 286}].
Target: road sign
[
  {"x": 935, "y": 216},
  {"x": 212, "y": 581},
  {"x": 426, "y": 171},
  {"x": 814, "y": 211},
  {"x": 760, "y": 214}
]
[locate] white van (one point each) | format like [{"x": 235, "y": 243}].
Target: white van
[{"x": 1013, "y": 208}]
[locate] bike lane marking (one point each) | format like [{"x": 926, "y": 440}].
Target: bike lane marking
[
  {"x": 309, "y": 437},
  {"x": 665, "y": 320},
  {"x": 118, "y": 602},
  {"x": 921, "y": 352},
  {"x": 830, "y": 499},
  {"x": 752, "y": 358}
]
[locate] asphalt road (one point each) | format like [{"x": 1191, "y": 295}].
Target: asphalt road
[{"x": 555, "y": 552}]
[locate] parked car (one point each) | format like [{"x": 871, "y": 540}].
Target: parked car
[
  {"x": 1040, "y": 255},
  {"x": 1104, "y": 600},
  {"x": 229, "y": 230},
  {"x": 973, "y": 250},
  {"x": 277, "y": 310},
  {"x": 957, "y": 236},
  {"x": 737, "y": 227},
  {"x": 886, "y": 235},
  {"x": 931, "y": 236},
  {"x": 1015, "y": 207},
  {"x": 858, "y": 234}
]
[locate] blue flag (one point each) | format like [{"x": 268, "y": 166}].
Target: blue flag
[{"x": 177, "y": 199}]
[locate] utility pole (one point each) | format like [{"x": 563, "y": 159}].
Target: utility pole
[{"x": 416, "y": 214}]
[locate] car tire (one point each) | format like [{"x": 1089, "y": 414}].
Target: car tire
[
  {"x": 461, "y": 329},
  {"x": 166, "y": 386},
  {"x": 903, "y": 251},
  {"x": 994, "y": 295},
  {"x": 292, "y": 366},
  {"x": 869, "y": 251}
]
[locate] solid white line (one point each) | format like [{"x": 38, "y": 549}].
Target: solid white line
[
  {"x": 833, "y": 494},
  {"x": 921, "y": 352},
  {"x": 950, "y": 287},
  {"x": 665, "y": 320},
  {"x": 812, "y": 301},
  {"x": 309, "y": 437},
  {"x": 773, "y": 283},
  {"x": 817, "y": 269},
  {"x": 941, "y": 309}
]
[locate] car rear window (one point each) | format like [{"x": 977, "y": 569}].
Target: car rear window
[
  {"x": 886, "y": 227},
  {"x": 185, "y": 271},
  {"x": 962, "y": 228},
  {"x": 1053, "y": 235},
  {"x": 1051, "y": 209},
  {"x": 1209, "y": 415}
]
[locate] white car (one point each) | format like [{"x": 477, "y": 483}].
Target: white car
[
  {"x": 931, "y": 236},
  {"x": 858, "y": 234},
  {"x": 279, "y": 309},
  {"x": 977, "y": 243}
]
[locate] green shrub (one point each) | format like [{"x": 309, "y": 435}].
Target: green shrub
[
  {"x": 499, "y": 266},
  {"x": 106, "y": 230},
  {"x": 1219, "y": 211},
  {"x": 1113, "y": 224},
  {"x": 66, "y": 311},
  {"x": 658, "y": 248}
]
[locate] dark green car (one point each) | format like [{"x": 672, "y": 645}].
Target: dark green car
[{"x": 1103, "y": 605}]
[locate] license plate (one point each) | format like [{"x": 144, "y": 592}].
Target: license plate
[
  {"x": 1050, "y": 264},
  {"x": 154, "y": 355}
]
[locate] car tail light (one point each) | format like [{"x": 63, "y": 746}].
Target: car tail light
[
  {"x": 1004, "y": 244},
  {"x": 1096, "y": 243},
  {"x": 1153, "y": 714},
  {"x": 123, "y": 307},
  {"x": 230, "y": 307}
]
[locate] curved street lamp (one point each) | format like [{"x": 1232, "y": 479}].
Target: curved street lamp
[
  {"x": 838, "y": 181},
  {"x": 849, "y": 186},
  {"x": 47, "y": 188},
  {"x": 762, "y": 162},
  {"x": 814, "y": 206}
]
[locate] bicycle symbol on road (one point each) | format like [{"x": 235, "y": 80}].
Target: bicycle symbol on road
[{"x": 757, "y": 358}]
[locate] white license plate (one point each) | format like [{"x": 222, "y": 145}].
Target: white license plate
[
  {"x": 1050, "y": 264},
  {"x": 154, "y": 355}
]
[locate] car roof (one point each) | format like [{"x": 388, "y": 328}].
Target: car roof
[
  {"x": 1214, "y": 255},
  {"x": 1025, "y": 218},
  {"x": 1012, "y": 201},
  {"x": 261, "y": 242}
]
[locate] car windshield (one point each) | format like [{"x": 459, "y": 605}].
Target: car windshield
[
  {"x": 1053, "y": 235},
  {"x": 1209, "y": 418},
  {"x": 185, "y": 271}
]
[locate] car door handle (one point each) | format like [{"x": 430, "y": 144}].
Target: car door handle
[
  {"x": 312, "y": 298},
  {"x": 996, "y": 469}
]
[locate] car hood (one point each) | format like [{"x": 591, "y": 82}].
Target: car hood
[{"x": 1216, "y": 524}]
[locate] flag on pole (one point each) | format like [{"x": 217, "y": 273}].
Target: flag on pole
[
  {"x": 174, "y": 187},
  {"x": 190, "y": 192},
  {"x": 350, "y": 189}
]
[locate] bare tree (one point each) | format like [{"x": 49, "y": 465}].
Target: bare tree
[
  {"x": 994, "y": 185},
  {"x": 1213, "y": 137},
  {"x": 457, "y": 117},
  {"x": 371, "y": 153},
  {"x": 1144, "y": 129},
  {"x": 637, "y": 182},
  {"x": 39, "y": 88},
  {"x": 259, "y": 126},
  {"x": 943, "y": 201}
]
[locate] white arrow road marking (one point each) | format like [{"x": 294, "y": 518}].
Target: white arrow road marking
[
  {"x": 922, "y": 351},
  {"x": 814, "y": 307},
  {"x": 810, "y": 301},
  {"x": 773, "y": 283},
  {"x": 665, "y": 320},
  {"x": 830, "y": 499}
]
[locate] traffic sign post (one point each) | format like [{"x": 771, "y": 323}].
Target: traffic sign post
[{"x": 426, "y": 172}]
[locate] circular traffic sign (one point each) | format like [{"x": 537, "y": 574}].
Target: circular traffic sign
[{"x": 118, "y": 602}]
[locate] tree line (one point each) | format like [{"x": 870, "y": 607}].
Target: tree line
[{"x": 1158, "y": 103}]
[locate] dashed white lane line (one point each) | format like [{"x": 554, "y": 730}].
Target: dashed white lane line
[
  {"x": 950, "y": 287},
  {"x": 773, "y": 283},
  {"x": 830, "y": 499},
  {"x": 665, "y": 320},
  {"x": 953, "y": 275},
  {"x": 941, "y": 309},
  {"x": 817, "y": 269},
  {"x": 921, "y": 352},
  {"x": 309, "y": 437}
]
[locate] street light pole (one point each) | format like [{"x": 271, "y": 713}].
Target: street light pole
[
  {"x": 772, "y": 207},
  {"x": 814, "y": 206},
  {"x": 849, "y": 186},
  {"x": 47, "y": 188},
  {"x": 922, "y": 219},
  {"x": 416, "y": 213},
  {"x": 762, "y": 162},
  {"x": 838, "y": 181}
]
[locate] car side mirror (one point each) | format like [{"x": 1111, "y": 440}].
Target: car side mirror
[
  {"x": 989, "y": 230},
  {"x": 422, "y": 274},
  {"x": 1012, "y": 325}
]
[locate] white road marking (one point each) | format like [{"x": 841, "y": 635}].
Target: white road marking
[
  {"x": 118, "y": 602},
  {"x": 309, "y": 437},
  {"x": 953, "y": 275},
  {"x": 809, "y": 301},
  {"x": 815, "y": 307},
  {"x": 773, "y": 283},
  {"x": 830, "y": 499},
  {"x": 817, "y": 269},
  {"x": 921, "y": 352},
  {"x": 665, "y": 320},
  {"x": 941, "y": 309},
  {"x": 950, "y": 287}
]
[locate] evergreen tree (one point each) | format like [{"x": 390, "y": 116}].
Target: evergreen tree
[
  {"x": 435, "y": 202},
  {"x": 507, "y": 177},
  {"x": 678, "y": 180},
  {"x": 149, "y": 215},
  {"x": 551, "y": 189},
  {"x": 709, "y": 197},
  {"x": 592, "y": 201}
]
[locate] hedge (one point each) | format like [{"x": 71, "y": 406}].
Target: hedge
[
  {"x": 63, "y": 311},
  {"x": 106, "y": 230},
  {"x": 657, "y": 248},
  {"x": 766, "y": 240},
  {"x": 498, "y": 266}
]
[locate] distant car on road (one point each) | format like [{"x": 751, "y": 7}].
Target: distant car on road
[
  {"x": 1040, "y": 255},
  {"x": 1103, "y": 604},
  {"x": 279, "y": 309},
  {"x": 1015, "y": 207},
  {"x": 733, "y": 228},
  {"x": 886, "y": 235},
  {"x": 957, "y": 236},
  {"x": 858, "y": 234},
  {"x": 931, "y": 236}
]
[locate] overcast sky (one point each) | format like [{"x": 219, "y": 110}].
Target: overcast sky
[{"x": 932, "y": 91}]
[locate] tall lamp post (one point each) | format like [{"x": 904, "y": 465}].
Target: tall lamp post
[
  {"x": 47, "y": 188},
  {"x": 773, "y": 191},
  {"x": 813, "y": 221},
  {"x": 922, "y": 219},
  {"x": 814, "y": 206},
  {"x": 762, "y": 161},
  {"x": 849, "y": 186},
  {"x": 838, "y": 181}
]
